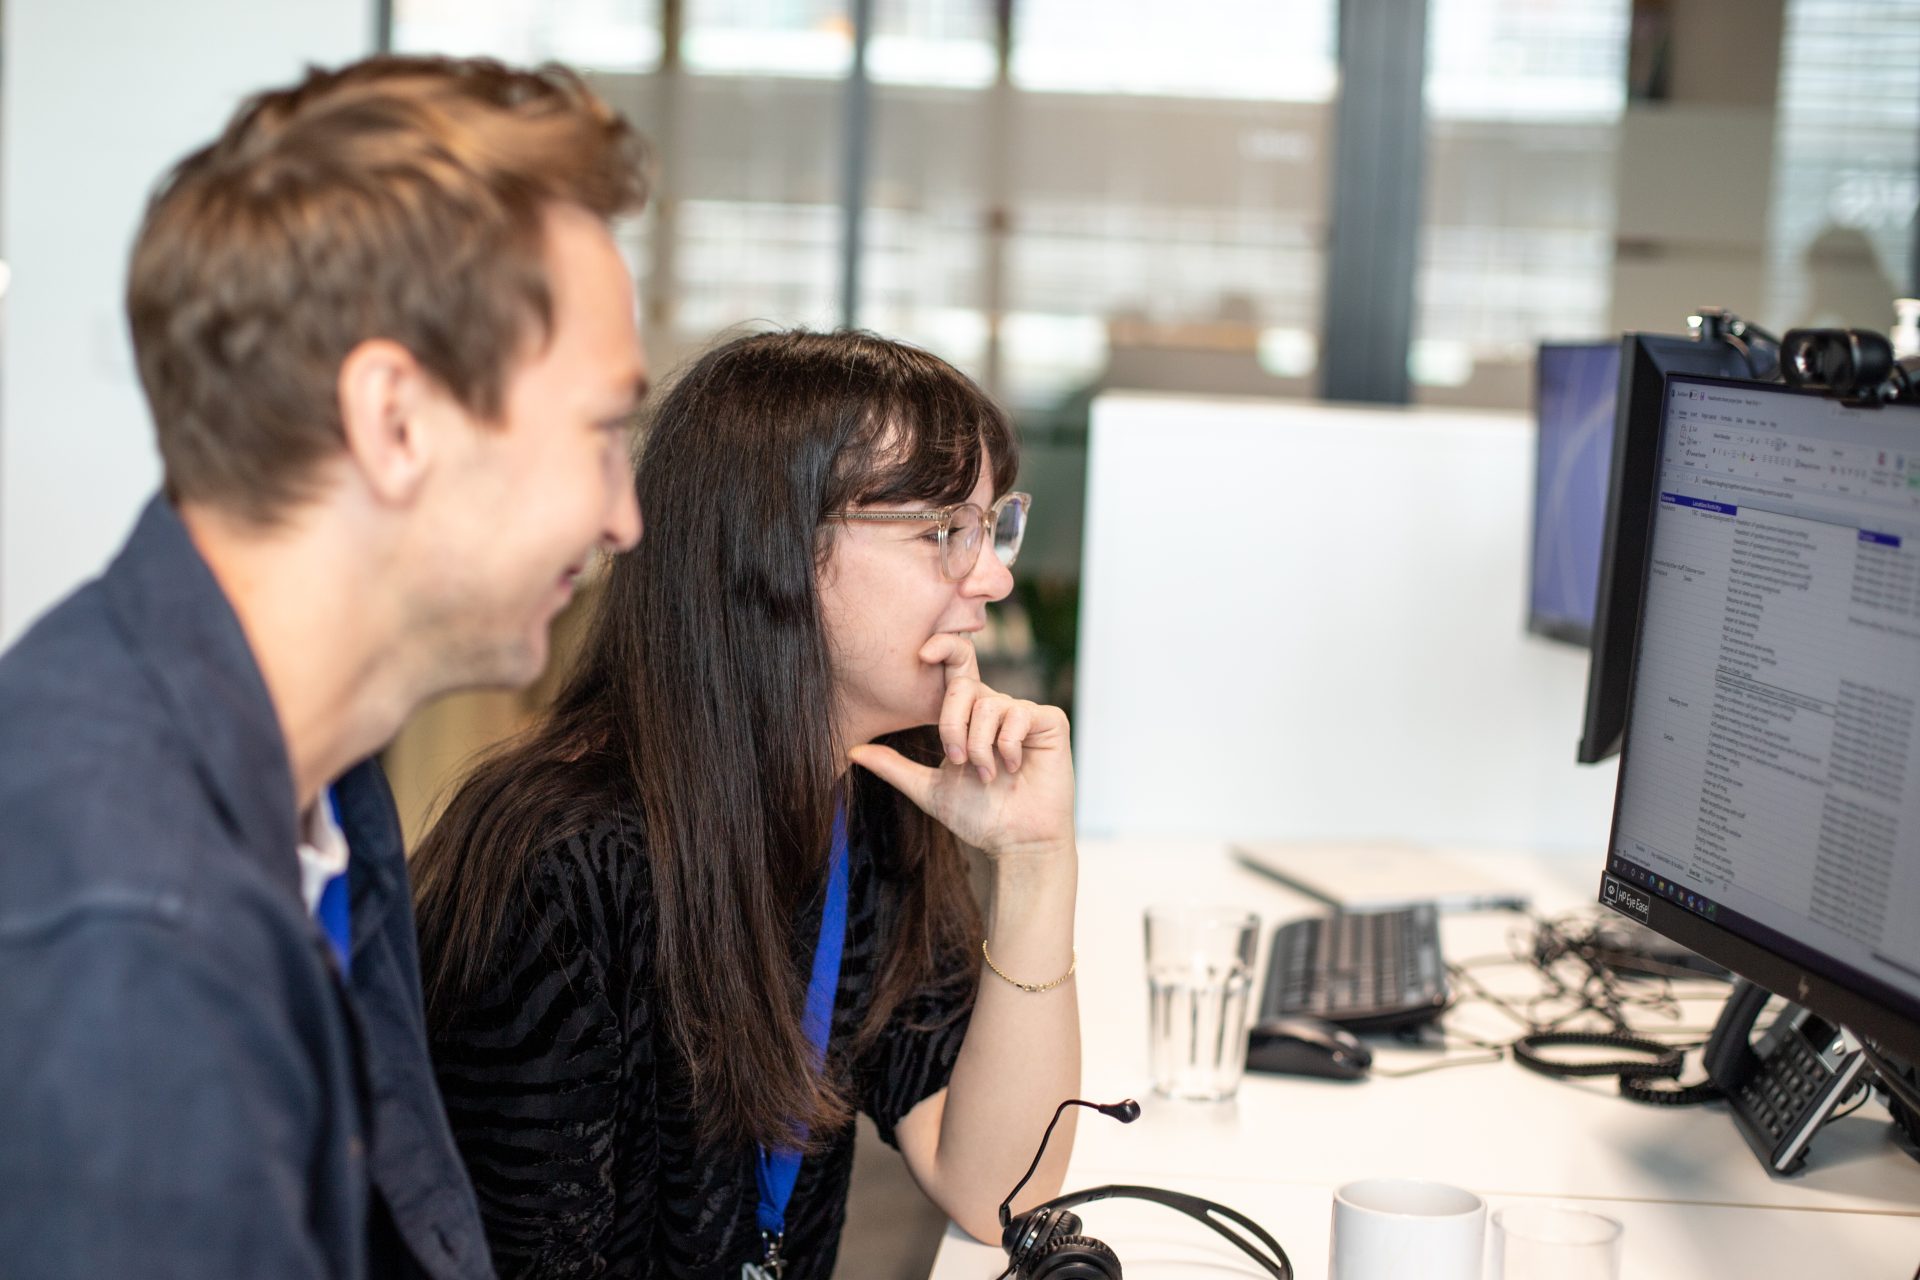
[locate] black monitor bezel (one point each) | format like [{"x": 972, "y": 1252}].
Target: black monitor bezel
[
  {"x": 1623, "y": 548},
  {"x": 1547, "y": 627},
  {"x": 1858, "y": 1001}
]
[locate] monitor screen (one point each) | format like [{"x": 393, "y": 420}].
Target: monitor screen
[
  {"x": 1768, "y": 811},
  {"x": 1575, "y": 388},
  {"x": 1645, "y": 361}
]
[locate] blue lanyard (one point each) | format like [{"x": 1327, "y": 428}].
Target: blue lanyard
[
  {"x": 331, "y": 909},
  {"x": 777, "y": 1171}
]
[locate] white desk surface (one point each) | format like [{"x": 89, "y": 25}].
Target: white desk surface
[{"x": 1694, "y": 1199}]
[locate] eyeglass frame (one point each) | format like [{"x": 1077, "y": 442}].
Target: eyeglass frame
[{"x": 989, "y": 526}]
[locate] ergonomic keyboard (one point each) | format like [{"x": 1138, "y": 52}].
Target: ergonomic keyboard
[{"x": 1365, "y": 970}]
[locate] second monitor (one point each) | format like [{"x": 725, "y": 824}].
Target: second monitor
[
  {"x": 1574, "y": 396},
  {"x": 1645, "y": 360}
]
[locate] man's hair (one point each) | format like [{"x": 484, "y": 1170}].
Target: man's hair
[{"x": 398, "y": 198}]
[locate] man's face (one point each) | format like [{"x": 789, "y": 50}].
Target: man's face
[{"x": 527, "y": 500}]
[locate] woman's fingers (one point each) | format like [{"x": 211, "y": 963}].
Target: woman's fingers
[
  {"x": 956, "y": 714},
  {"x": 983, "y": 730},
  {"x": 962, "y": 668},
  {"x": 953, "y": 651},
  {"x": 979, "y": 727},
  {"x": 1012, "y": 738},
  {"x": 1000, "y": 731},
  {"x": 1012, "y": 788}
]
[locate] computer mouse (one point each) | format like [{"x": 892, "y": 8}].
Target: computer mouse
[{"x": 1303, "y": 1046}]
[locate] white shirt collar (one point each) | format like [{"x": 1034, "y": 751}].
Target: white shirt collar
[{"x": 323, "y": 849}]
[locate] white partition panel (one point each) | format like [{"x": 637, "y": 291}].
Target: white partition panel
[
  {"x": 1306, "y": 621},
  {"x": 101, "y": 97}
]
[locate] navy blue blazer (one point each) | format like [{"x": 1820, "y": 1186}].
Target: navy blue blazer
[{"x": 188, "y": 1087}]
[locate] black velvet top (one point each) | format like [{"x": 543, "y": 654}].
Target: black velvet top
[{"x": 572, "y": 1108}]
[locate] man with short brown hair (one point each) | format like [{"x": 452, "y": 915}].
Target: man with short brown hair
[{"x": 391, "y": 353}]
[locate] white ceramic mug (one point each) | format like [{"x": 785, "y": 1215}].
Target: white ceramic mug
[{"x": 1391, "y": 1228}]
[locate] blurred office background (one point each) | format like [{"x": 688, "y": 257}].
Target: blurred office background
[
  {"x": 1387, "y": 201},
  {"x": 1240, "y": 197}
]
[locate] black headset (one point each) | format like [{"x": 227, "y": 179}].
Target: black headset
[
  {"x": 1046, "y": 1244},
  {"x": 1856, "y": 365}
]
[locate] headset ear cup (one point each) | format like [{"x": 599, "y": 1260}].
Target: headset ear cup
[
  {"x": 1075, "y": 1258},
  {"x": 1872, "y": 359},
  {"x": 1030, "y": 1235}
]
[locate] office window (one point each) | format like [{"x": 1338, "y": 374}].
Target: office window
[
  {"x": 594, "y": 35},
  {"x": 1137, "y": 290},
  {"x": 1277, "y": 50},
  {"x": 1524, "y": 99},
  {"x": 1138, "y": 259},
  {"x": 752, "y": 186},
  {"x": 811, "y": 38},
  {"x": 926, "y": 269},
  {"x": 1528, "y": 60},
  {"x": 750, "y": 190},
  {"x": 1150, "y": 181},
  {"x": 1155, "y": 173},
  {"x": 1841, "y": 234},
  {"x": 755, "y": 263},
  {"x": 922, "y": 279},
  {"x": 932, "y": 42}
]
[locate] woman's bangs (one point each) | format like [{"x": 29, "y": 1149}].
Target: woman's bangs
[{"x": 929, "y": 448}]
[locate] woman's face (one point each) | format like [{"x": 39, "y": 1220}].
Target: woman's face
[{"x": 882, "y": 597}]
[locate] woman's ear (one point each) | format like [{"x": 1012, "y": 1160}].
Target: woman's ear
[{"x": 388, "y": 403}]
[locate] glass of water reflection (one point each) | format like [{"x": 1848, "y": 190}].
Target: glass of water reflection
[{"x": 1199, "y": 976}]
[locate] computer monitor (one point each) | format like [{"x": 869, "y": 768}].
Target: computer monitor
[
  {"x": 1645, "y": 360},
  {"x": 1575, "y": 385},
  {"x": 1768, "y": 810}
]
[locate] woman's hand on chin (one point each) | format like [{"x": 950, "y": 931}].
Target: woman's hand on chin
[{"x": 1005, "y": 785}]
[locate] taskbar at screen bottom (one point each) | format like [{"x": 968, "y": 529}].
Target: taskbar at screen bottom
[
  {"x": 1624, "y": 872},
  {"x": 1865, "y": 1005}
]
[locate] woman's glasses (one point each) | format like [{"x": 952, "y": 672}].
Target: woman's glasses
[{"x": 964, "y": 528}]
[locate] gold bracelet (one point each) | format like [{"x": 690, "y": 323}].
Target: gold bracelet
[{"x": 1030, "y": 987}]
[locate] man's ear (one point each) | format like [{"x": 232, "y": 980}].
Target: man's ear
[{"x": 387, "y": 404}]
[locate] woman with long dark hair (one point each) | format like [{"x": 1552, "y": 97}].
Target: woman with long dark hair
[{"x": 717, "y": 900}]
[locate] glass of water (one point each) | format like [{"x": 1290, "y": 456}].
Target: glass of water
[
  {"x": 1551, "y": 1242},
  {"x": 1199, "y": 976}
]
